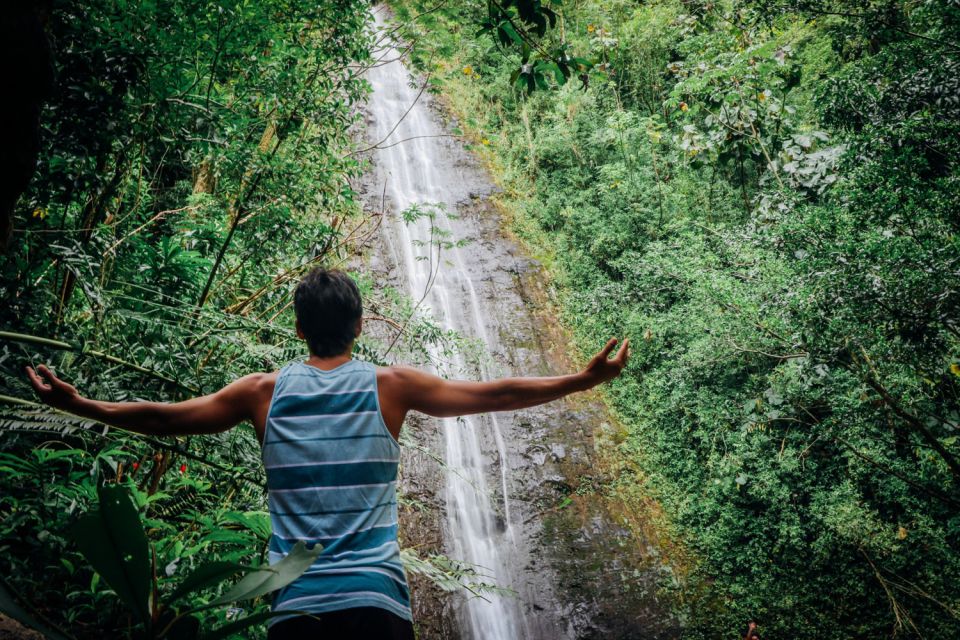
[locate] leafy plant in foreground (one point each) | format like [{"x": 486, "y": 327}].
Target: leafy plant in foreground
[{"x": 112, "y": 539}]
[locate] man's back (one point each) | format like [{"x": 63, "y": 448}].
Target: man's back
[{"x": 331, "y": 466}]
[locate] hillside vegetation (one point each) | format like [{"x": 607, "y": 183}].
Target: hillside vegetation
[{"x": 764, "y": 196}]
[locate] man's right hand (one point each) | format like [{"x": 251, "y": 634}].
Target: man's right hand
[
  {"x": 602, "y": 368},
  {"x": 55, "y": 393}
]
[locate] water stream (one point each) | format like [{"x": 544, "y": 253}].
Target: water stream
[{"x": 419, "y": 171}]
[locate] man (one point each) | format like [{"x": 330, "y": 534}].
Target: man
[{"x": 328, "y": 428}]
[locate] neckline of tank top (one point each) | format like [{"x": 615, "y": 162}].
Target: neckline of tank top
[{"x": 339, "y": 367}]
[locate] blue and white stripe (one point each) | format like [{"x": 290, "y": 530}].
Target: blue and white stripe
[{"x": 331, "y": 470}]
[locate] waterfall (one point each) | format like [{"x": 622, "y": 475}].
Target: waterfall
[
  {"x": 511, "y": 494},
  {"x": 416, "y": 167}
]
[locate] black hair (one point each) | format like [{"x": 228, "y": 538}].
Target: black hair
[{"x": 327, "y": 304}]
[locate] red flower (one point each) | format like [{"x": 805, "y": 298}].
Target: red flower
[
  {"x": 135, "y": 465},
  {"x": 183, "y": 468}
]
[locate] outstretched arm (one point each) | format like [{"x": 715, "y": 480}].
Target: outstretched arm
[
  {"x": 435, "y": 396},
  {"x": 208, "y": 414}
]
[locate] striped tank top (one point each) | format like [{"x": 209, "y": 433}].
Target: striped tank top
[{"x": 331, "y": 469}]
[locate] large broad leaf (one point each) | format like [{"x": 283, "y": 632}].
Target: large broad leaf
[
  {"x": 267, "y": 579},
  {"x": 206, "y": 575},
  {"x": 112, "y": 540}
]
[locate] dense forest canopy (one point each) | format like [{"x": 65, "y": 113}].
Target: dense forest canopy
[{"x": 763, "y": 194}]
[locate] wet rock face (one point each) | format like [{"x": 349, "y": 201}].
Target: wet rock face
[
  {"x": 546, "y": 530},
  {"x": 605, "y": 582}
]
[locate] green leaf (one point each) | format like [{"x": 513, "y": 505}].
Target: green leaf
[
  {"x": 485, "y": 26},
  {"x": 557, "y": 73},
  {"x": 206, "y": 575},
  {"x": 258, "y": 522},
  {"x": 508, "y": 29},
  {"x": 267, "y": 579},
  {"x": 551, "y": 16},
  {"x": 583, "y": 63},
  {"x": 541, "y": 25},
  {"x": 112, "y": 540},
  {"x": 540, "y": 80}
]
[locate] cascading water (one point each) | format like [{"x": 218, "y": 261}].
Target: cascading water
[
  {"x": 417, "y": 170},
  {"x": 507, "y": 479}
]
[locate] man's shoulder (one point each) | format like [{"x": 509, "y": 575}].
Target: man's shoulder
[
  {"x": 398, "y": 387},
  {"x": 256, "y": 384},
  {"x": 402, "y": 380},
  {"x": 398, "y": 374}
]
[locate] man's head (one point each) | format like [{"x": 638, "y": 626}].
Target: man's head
[{"x": 328, "y": 308}]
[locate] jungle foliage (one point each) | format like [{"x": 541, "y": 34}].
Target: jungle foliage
[
  {"x": 763, "y": 195},
  {"x": 197, "y": 158}
]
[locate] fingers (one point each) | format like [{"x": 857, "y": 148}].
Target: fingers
[
  {"x": 605, "y": 352},
  {"x": 49, "y": 375},
  {"x": 623, "y": 353},
  {"x": 43, "y": 379},
  {"x": 35, "y": 381}
]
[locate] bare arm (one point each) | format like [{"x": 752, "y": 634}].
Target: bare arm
[
  {"x": 415, "y": 390},
  {"x": 212, "y": 413}
]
